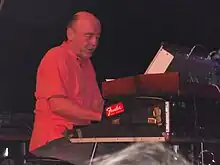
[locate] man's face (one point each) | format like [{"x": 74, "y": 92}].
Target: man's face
[{"x": 86, "y": 37}]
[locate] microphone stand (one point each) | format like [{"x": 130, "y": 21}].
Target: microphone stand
[{"x": 198, "y": 129}]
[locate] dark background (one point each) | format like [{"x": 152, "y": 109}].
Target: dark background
[{"x": 132, "y": 33}]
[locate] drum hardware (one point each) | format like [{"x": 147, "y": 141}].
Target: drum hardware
[
  {"x": 175, "y": 150},
  {"x": 187, "y": 153},
  {"x": 206, "y": 157},
  {"x": 202, "y": 158},
  {"x": 191, "y": 154}
]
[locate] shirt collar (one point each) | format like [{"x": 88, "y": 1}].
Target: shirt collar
[{"x": 66, "y": 46}]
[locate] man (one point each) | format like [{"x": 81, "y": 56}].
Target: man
[{"x": 67, "y": 94}]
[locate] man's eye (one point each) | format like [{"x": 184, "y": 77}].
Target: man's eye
[{"x": 88, "y": 36}]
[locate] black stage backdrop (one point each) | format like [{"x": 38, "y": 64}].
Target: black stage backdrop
[{"x": 132, "y": 33}]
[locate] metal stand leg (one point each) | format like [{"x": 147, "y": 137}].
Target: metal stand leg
[
  {"x": 23, "y": 150},
  {"x": 192, "y": 154},
  {"x": 175, "y": 148},
  {"x": 202, "y": 153},
  {"x": 93, "y": 153}
]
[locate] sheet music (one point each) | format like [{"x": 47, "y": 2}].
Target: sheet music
[
  {"x": 160, "y": 63},
  {"x": 109, "y": 79}
]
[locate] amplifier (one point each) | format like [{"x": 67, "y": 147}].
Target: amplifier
[
  {"x": 130, "y": 117},
  {"x": 181, "y": 117},
  {"x": 155, "y": 117},
  {"x": 145, "y": 116}
]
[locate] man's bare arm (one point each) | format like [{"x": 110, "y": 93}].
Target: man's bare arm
[{"x": 65, "y": 108}]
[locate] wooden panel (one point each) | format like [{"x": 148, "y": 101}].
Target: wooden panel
[
  {"x": 121, "y": 86},
  {"x": 142, "y": 84},
  {"x": 158, "y": 83},
  {"x": 117, "y": 140}
]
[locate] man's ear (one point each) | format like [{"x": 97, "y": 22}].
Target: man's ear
[{"x": 70, "y": 34}]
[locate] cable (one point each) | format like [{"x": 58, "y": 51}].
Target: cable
[
  {"x": 216, "y": 86},
  {"x": 209, "y": 57},
  {"x": 196, "y": 114},
  {"x": 195, "y": 46},
  {"x": 1, "y": 4}
]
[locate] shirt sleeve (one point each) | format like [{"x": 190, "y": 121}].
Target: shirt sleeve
[
  {"x": 51, "y": 75},
  {"x": 98, "y": 102}
]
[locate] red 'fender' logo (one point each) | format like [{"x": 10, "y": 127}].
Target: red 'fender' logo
[{"x": 114, "y": 109}]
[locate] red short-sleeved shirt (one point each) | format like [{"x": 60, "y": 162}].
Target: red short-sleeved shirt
[{"x": 62, "y": 73}]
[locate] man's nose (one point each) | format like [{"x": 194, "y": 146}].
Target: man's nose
[{"x": 94, "y": 41}]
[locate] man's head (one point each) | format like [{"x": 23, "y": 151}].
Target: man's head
[{"x": 83, "y": 34}]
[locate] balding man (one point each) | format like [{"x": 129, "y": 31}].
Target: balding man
[{"x": 67, "y": 93}]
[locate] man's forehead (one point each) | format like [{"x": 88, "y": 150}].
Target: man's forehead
[
  {"x": 88, "y": 26},
  {"x": 87, "y": 22}
]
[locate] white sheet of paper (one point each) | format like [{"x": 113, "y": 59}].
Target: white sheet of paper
[
  {"x": 160, "y": 63},
  {"x": 109, "y": 79}
]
